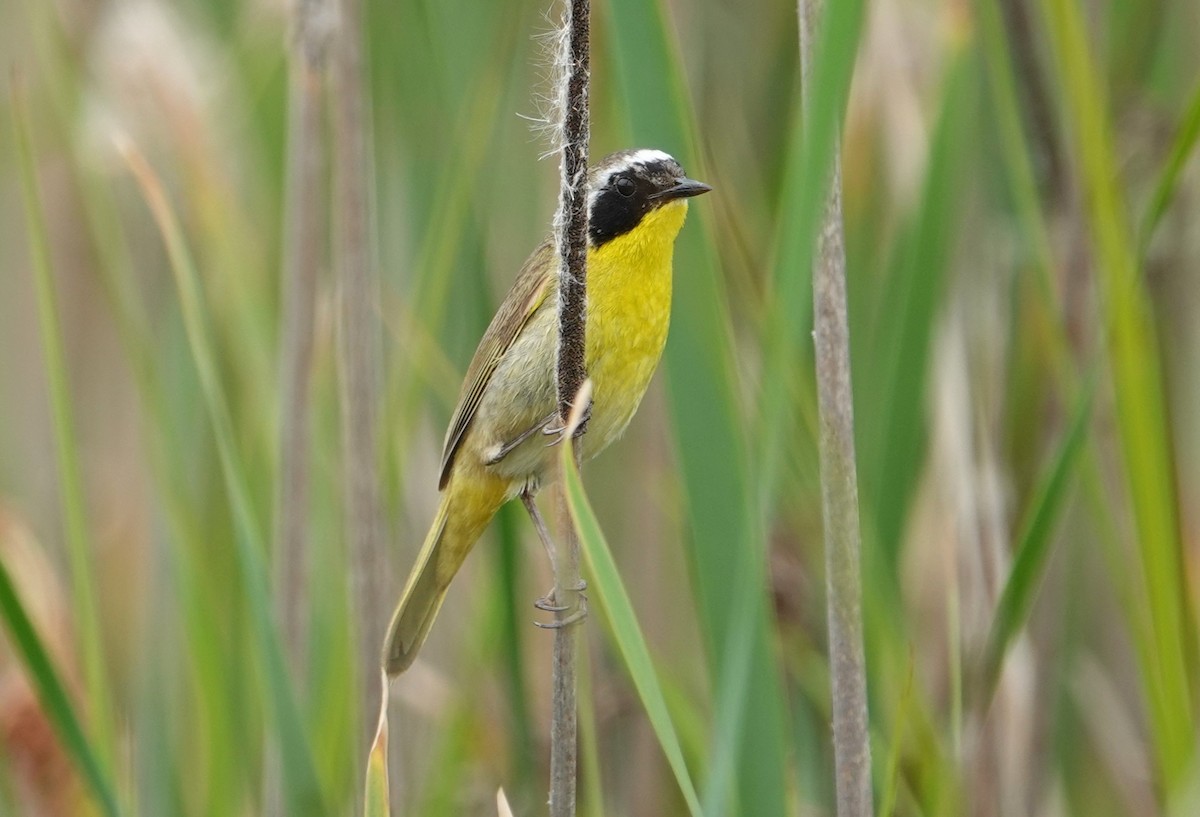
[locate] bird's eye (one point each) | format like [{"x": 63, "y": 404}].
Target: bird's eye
[{"x": 625, "y": 186}]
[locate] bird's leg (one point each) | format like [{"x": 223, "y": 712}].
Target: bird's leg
[
  {"x": 559, "y": 432},
  {"x": 548, "y": 602},
  {"x": 539, "y": 525},
  {"x": 507, "y": 448}
]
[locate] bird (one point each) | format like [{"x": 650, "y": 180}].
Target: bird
[{"x": 500, "y": 442}]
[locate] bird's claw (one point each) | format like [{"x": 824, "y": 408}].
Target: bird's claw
[
  {"x": 549, "y": 604},
  {"x": 581, "y": 612},
  {"x": 544, "y": 603},
  {"x": 559, "y": 432}
]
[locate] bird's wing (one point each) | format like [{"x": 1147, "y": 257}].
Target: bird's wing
[{"x": 528, "y": 292}]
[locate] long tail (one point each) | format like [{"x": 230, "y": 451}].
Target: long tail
[{"x": 459, "y": 522}]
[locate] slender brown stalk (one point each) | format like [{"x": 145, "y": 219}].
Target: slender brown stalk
[
  {"x": 839, "y": 485},
  {"x": 303, "y": 230},
  {"x": 302, "y": 251},
  {"x": 359, "y": 355},
  {"x": 571, "y": 225},
  {"x": 564, "y": 726}
]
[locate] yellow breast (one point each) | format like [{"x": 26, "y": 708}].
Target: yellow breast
[{"x": 629, "y": 310}]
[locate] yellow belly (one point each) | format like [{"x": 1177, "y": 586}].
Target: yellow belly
[{"x": 629, "y": 310}]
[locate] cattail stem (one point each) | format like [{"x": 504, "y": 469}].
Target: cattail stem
[
  {"x": 571, "y": 226},
  {"x": 572, "y": 218},
  {"x": 839, "y": 484}
]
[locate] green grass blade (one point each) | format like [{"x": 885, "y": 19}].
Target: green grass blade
[
  {"x": 726, "y": 541},
  {"x": 86, "y": 613},
  {"x": 1137, "y": 382},
  {"x": 433, "y": 268},
  {"x": 53, "y": 694},
  {"x": 1168, "y": 179},
  {"x": 731, "y": 711},
  {"x": 511, "y": 645},
  {"x": 894, "y": 430},
  {"x": 610, "y": 591},
  {"x": 299, "y": 772},
  {"x": 189, "y": 551},
  {"x": 1033, "y": 543}
]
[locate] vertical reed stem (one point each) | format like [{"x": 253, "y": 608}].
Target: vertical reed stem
[
  {"x": 839, "y": 484},
  {"x": 359, "y": 361},
  {"x": 303, "y": 244},
  {"x": 302, "y": 252},
  {"x": 571, "y": 225}
]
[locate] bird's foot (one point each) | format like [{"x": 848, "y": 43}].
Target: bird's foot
[
  {"x": 559, "y": 432},
  {"x": 550, "y": 604}
]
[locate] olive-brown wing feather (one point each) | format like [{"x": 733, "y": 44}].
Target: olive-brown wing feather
[{"x": 528, "y": 292}]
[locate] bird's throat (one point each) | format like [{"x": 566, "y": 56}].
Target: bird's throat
[{"x": 629, "y": 310}]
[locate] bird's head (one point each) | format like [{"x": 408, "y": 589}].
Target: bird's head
[{"x": 627, "y": 186}]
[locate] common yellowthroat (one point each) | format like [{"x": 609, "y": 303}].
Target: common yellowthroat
[{"x": 496, "y": 448}]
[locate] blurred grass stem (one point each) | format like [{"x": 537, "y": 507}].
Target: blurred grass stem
[
  {"x": 1181, "y": 149},
  {"x": 303, "y": 232},
  {"x": 571, "y": 237},
  {"x": 1137, "y": 382},
  {"x": 302, "y": 253},
  {"x": 839, "y": 483},
  {"x": 53, "y": 694},
  {"x": 301, "y": 786},
  {"x": 80, "y": 548},
  {"x": 359, "y": 354}
]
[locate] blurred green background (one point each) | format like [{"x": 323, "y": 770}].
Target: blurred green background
[{"x": 1022, "y": 218}]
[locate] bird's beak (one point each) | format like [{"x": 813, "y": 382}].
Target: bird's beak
[{"x": 682, "y": 189}]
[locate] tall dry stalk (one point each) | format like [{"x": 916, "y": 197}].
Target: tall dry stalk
[
  {"x": 303, "y": 249},
  {"x": 359, "y": 355},
  {"x": 571, "y": 230},
  {"x": 839, "y": 483},
  {"x": 303, "y": 246}
]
